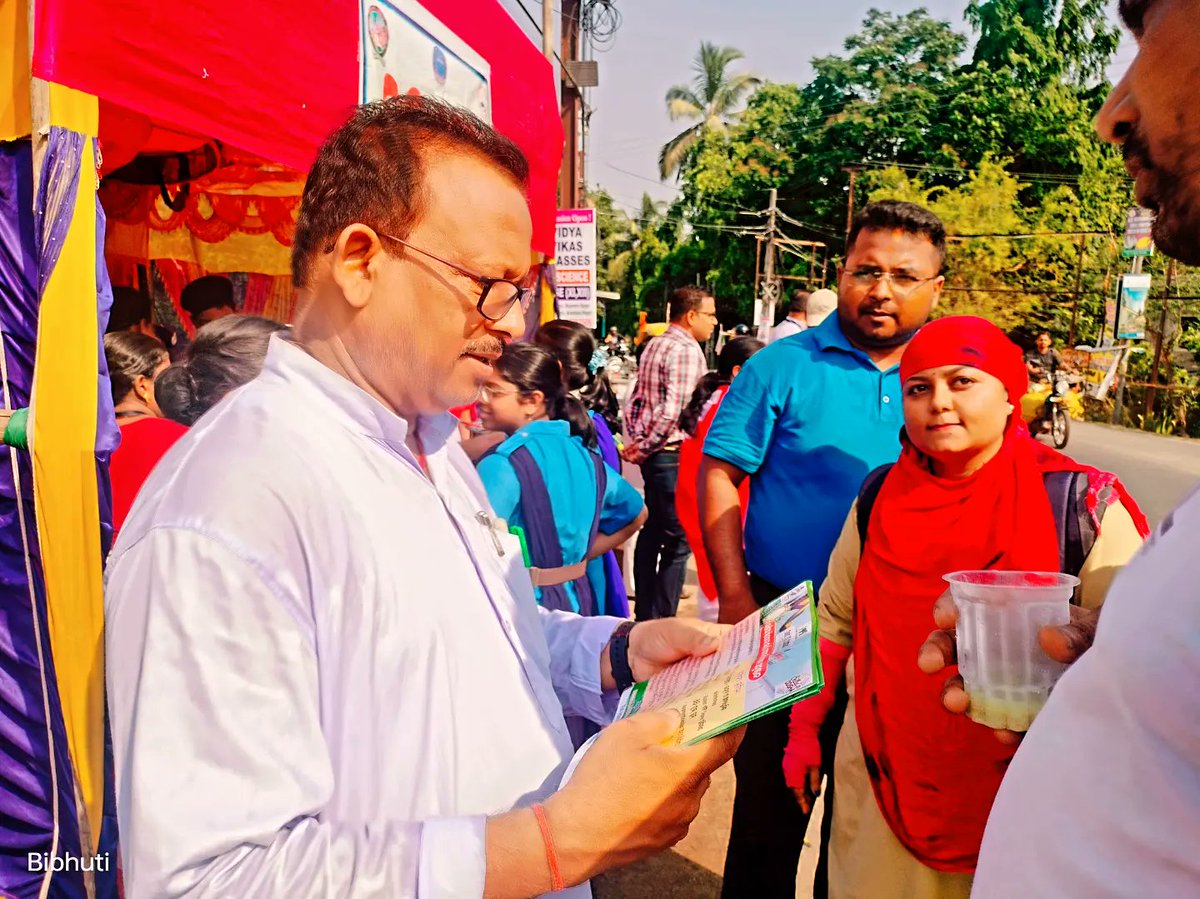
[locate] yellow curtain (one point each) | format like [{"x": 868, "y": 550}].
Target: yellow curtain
[{"x": 64, "y": 471}]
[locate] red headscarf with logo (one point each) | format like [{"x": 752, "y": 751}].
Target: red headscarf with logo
[{"x": 934, "y": 774}]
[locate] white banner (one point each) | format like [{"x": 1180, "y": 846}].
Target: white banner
[
  {"x": 405, "y": 49},
  {"x": 1131, "y": 317},
  {"x": 575, "y": 265}
]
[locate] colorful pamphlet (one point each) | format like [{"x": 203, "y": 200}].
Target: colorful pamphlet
[{"x": 768, "y": 661}]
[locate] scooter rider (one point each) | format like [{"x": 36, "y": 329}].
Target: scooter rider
[{"x": 1044, "y": 361}]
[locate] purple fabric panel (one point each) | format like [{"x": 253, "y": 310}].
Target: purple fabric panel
[
  {"x": 616, "y": 601},
  {"x": 107, "y": 434},
  {"x": 27, "y": 798},
  {"x": 56, "y": 199}
]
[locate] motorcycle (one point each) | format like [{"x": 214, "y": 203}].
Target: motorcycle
[
  {"x": 620, "y": 365},
  {"x": 1050, "y": 416}
]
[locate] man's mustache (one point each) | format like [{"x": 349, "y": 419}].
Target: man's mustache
[
  {"x": 488, "y": 347},
  {"x": 1136, "y": 152}
]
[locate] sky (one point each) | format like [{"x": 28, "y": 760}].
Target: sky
[{"x": 657, "y": 42}]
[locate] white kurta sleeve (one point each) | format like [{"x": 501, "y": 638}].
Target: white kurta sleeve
[
  {"x": 575, "y": 645},
  {"x": 1103, "y": 797},
  {"x": 223, "y": 773}
]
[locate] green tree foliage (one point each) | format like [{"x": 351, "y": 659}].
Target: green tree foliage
[
  {"x": 1045, "y": 41},
  {"x": 631, "y": 249},
  {"x": 990, "y": 126},
  {"x": 996, "y": 132},
  {"x": 1002, "y": 279},
  {"x": 711, "y": 101}
]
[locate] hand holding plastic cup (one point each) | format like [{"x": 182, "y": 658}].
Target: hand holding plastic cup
[{"x": 1003, "y": 667}]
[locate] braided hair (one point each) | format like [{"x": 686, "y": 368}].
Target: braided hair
[{"x": 582, "y": 367}]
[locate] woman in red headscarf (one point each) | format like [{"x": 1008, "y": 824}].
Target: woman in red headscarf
[{"x": 970, "y": 491}]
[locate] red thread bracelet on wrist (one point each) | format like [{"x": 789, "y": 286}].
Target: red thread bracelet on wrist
[{"x": 556, "y": 878}]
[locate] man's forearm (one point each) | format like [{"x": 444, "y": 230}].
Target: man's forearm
[
  {"x": 721, "y": 524},
  {"x": 517, "y": 861}
]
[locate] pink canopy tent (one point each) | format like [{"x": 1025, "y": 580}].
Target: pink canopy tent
[{"x": 274, "y": 78}]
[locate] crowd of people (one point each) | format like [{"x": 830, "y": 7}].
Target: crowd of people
[{"x": 359, "y": 661}]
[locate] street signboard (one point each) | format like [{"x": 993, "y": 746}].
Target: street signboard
[
  {"x": 1131, "y": 315},
  {"x": 1139, "y": 226},
  {"x": 575, "y": 265}
]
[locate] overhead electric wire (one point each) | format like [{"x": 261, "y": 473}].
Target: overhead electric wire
[
  {"x": 799, "y": 224},
  {"x": 669, "y": 220},
  {"x": 562, "y": 65}
]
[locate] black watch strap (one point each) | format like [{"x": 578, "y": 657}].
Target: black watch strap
[{"x": 618, "y": 656}]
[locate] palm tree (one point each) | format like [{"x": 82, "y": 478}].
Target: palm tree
[
  {"x": 638, "y": 230},
  {"x": 712, "y": 99}
]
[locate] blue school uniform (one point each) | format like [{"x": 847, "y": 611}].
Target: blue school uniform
[{"x": 569, "y": 471}]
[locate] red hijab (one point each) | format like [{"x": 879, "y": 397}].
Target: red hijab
[{"x": 935, "y": 774}]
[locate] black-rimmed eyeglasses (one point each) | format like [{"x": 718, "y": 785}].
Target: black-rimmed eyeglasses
[{"x": 497, "y": 295}]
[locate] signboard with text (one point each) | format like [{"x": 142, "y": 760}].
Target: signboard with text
[
  {"x": 575, "y": 265},
  {"x": 1139, "y": 232},
  {"x": 1131, "y": 316},
  {"x": 406, "y": 50}
]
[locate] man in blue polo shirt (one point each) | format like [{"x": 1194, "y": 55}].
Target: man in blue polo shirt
[{"x": 806, "y": 420}]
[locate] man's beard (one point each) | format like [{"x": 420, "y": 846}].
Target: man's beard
[
  {"x": 1174, "y": 197},
  {"x": 866, "y": 341},
  {"x": 900, "y": 338}
]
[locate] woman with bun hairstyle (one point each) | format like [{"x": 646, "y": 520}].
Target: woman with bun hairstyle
[
  {"x": 583, "y": 371},
  {"x": 135, "y": 361},
  {"x": 224, "y": 355}
]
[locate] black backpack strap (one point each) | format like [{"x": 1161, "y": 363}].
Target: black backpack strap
[
  {"x": 1067, "y": 492},
  {"x": 867, "y": 494}
]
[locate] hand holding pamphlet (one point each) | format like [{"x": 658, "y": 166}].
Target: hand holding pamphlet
[{"x": 768, "y": 661}]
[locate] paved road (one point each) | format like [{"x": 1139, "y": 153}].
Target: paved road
[{"x": 1159, "y": 472}]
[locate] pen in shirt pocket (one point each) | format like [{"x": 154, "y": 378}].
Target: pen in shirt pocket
[{"x": 490, "y": 525}]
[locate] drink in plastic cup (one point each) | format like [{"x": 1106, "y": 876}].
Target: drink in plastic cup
[{"x": 1003, "y": 667}]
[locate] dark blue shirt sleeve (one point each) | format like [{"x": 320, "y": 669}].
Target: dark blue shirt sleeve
[{"x": 746, "y": 420}]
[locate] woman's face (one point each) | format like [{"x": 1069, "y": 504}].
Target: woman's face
[
  {"x": 143, "y": 388},
  {"x": 955, "y": 411},
  {"x": 503, "y": 408}
]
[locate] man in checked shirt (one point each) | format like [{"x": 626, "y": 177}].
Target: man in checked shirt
[{"x": 671, "y": 366}]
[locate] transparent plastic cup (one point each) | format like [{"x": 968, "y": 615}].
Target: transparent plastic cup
[{"x": 1003, "y": 667}]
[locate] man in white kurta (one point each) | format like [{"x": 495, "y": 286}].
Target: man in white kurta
[
  {"x": 327, "y": 674},
  {"x": 318, "y": 627}
]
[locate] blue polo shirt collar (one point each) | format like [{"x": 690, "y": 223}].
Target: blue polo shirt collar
[{"x": 830, "y": 336}]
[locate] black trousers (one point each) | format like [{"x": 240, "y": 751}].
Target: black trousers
[
  {"x": 661, "y": 554},
  {"x": 768, "y": 827}
]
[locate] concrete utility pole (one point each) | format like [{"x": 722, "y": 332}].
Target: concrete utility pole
[
  {"x": 548, "y": 30},
  {"x": 765, "y": 306},
  {"x": 569, "y": 177}
]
